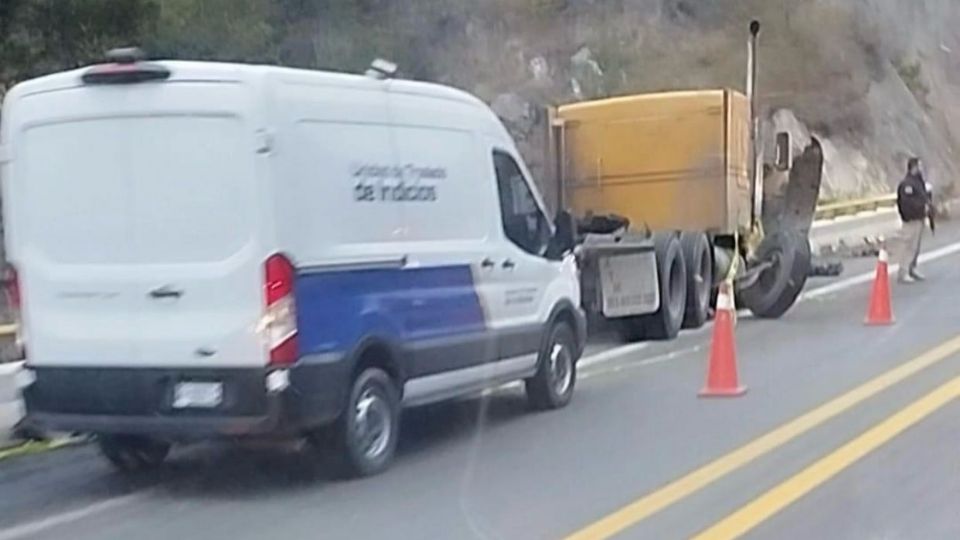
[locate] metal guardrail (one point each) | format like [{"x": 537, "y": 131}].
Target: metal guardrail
[
  {"x": 846, "y": 208},
  {"x": 826, "y": 211}
]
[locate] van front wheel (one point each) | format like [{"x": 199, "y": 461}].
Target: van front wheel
[
  {"x": 552, "y": 386},
  {"x": 130, "y": 453}
]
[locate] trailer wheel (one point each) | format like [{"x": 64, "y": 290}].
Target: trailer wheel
[
  {"x": 699, "y": 262},
  {"x": 665, "y": 323},
  {"x": 777, "y": 287}
]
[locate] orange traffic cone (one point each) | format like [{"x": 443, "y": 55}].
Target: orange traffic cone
[
  {"x": 880, "y": 313},
  {"x": 722, "y": 375}
]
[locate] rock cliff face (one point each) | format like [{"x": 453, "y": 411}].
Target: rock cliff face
[
  {"x": 876, "y": 80},
  {"x": 911, "y": 101}
]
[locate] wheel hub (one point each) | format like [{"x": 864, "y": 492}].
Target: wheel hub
[
  {"x": 560, "y": 369},
  {"x": 373, "y": 424},
  {"x": 676, "y": 286},
  {"x": 703, "y": 280}
]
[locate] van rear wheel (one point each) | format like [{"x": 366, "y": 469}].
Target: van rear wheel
[
  {"x": 129, "y": 453},
  {"x": 365, "y": 437}
]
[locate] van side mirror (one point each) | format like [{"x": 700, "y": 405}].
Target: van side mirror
[
  {"x": 564, "y": 236},
  {"x": 783, "y": 151}
]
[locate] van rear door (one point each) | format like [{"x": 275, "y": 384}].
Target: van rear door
[{"x": 136, "y": 226}]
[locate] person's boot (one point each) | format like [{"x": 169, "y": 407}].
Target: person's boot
[
  {"x": 917, "y": 276},
  {"x": 905, "y": 279}
]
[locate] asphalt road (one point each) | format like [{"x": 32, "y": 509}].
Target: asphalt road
[{"x": 616, "y": 461}]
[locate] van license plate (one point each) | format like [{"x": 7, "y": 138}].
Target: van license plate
[{"x": 187, "y": 395}]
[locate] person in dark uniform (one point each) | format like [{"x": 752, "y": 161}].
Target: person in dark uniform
[{"x": 914, "y": 205}]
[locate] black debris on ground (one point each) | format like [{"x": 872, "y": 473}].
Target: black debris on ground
[{"x": 826, "y": 268}]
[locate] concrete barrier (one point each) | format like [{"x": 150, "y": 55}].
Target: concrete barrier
[{"x": 858, "y": 206}]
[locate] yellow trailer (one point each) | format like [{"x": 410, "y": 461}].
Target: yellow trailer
[
  {"x": 669, "y": 198},
  {"x": 666, "y": 161}
]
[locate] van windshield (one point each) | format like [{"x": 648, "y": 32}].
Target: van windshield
[{"x": 121, "y": 190}]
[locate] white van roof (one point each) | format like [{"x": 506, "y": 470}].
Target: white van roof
[
  {"x": 218, "y": 71},
  {"x": 259, "y": 74}
]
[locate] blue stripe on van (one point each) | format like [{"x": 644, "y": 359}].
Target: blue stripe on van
[{"x": 336, "y": 309}]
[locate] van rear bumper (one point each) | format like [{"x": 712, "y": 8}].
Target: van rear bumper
[
  {"x": 140, "y": 401},
  {"x": 156, "y": 426}
]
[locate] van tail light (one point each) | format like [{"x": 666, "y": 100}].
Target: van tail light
[
  {"x": 11, "y": 285},
  {"x": 280, "y": 314}
]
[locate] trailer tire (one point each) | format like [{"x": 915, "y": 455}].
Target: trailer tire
[
  {"x": 777, "y": 288},
  {"x": 697, "y": 257},
  {"x": 665, "y": 323}
]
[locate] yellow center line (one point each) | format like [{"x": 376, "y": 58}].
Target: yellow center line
[
  {"x": 781, "y": 496},
  {"x": 642, "y": 508}
]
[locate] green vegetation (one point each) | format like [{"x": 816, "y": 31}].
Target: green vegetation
[{"x": 39, "y": 36}]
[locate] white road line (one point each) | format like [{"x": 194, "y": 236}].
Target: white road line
[
  {"x": 653, "y": 360},
  {"x": 41, "y": 525},
  {"x": 611, "y": 354},
  {"x": 843, "y": 284},
  {"x": 669, "y": 356}
]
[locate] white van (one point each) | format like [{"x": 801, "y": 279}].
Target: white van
[{"x": 207, "y": 250}]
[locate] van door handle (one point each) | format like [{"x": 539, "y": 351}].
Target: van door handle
[
  {"x": 166, "y": 292},
  {"x": 509, "y": 265},
  {"x": 487, "y": 263}
]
